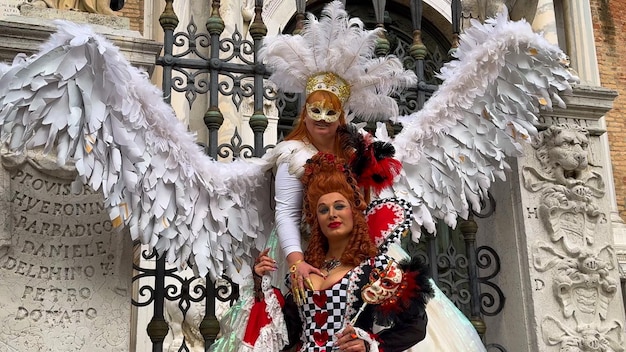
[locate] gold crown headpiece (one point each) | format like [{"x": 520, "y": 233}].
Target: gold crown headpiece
[
  {"x": 330, "y": 82},
  {"x": 337, "y": 54}
]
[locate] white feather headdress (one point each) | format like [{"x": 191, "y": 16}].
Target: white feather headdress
[{"x": 339, "y": 45}]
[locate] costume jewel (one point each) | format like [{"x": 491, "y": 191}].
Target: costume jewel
[{"x": 330, "y": 264}]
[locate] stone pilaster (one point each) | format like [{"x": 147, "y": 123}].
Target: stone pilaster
[{"x": 559, "y": 266}]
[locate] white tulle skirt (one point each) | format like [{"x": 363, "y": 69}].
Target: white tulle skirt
[{"x": 448, "y": 329}]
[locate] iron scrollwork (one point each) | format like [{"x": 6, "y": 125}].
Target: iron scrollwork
[
  {"x": 453, "y": 276},
  {"x": 491, "y": 303},
  {"x": 187, "y": 290}
]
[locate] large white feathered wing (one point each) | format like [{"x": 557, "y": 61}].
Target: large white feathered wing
[
  {"x": 81, "y": 99},
  {"x": 455, "y": 147}
]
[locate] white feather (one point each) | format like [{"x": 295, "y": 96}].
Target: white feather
[
  {"x": 455, "y": 147},
  {"x": 128, "y": 143}
]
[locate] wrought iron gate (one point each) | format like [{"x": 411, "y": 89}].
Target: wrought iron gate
[{"x": 222, "y": 66}]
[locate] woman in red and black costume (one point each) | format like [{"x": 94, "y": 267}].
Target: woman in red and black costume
[{"x": 360, "y": 286}]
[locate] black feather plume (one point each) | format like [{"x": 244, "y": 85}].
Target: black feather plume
[
  {"x": 383, "y": 150},
  {"x": 350, "y": 137}
]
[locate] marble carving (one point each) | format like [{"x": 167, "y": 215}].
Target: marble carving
[{"x": 570, "y": 188}]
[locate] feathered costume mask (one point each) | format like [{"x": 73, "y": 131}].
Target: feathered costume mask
[{"x": 336, "y": 53}]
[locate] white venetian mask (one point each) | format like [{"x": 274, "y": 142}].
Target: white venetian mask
[{"x": 317, "y": 112}]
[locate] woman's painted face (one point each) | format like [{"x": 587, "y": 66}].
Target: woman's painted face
[{"x": 334, "y": 215}]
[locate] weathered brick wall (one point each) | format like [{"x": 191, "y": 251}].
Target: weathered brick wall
[
  {"x": 133, "y": 9},
  {"x": 609, "y": 19}
]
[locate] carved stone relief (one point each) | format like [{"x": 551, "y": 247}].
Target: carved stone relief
[
  {"x": 569, "y": 192},
  {"x": 568, "y": 184},
  {"x": 9, "y": 7},
  {"x": 581, "y": 284},
  {"x": 605, "y": 338},
  {"x": 483, "y": 9}
]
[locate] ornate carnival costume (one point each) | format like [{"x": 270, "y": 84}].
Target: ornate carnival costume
[
  {"x": 124, "y": 141},
  {"x": 334, "y": 54},
  {"x": 391, "y": 293}
]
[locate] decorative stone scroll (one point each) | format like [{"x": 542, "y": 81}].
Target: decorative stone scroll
[
  {"x": 65, "y": 272},
  {"x": 579, "y": 264},
  {"x": 585, "y": 339}
]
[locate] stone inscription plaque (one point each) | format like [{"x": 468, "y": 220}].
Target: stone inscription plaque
[
  {"x": 65, "y": 278},
  {"x": 9, "y": 7}
]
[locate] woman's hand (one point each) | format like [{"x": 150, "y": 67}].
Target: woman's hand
[
  {"x": 348, "y": 341},
  {"x": 300, "y": 272},
  {"x": 264, "y": 264}
]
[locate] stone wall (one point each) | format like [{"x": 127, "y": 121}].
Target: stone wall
[
  {"x": 609, "y": 19},
  {"x": 66, "y": 272}
]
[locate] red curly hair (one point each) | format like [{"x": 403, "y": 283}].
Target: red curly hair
[
  {"x": 324, "y": 173},
  {"x": 330, "y": 101}
]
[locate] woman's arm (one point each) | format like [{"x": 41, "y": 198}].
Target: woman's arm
[
  {"x": 404, "y": 334},
  {"x": 288, "y": 197}
]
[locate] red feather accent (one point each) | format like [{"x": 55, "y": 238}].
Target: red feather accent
[
  {"x": 406, "y": 293},
  {"x": 379, "y": 174},
  {"x": 411, "y": 297}
]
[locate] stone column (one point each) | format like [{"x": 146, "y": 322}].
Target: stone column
[
  {"x": 581, "y": 48},
  {"x": 553, "y": 233},
  {"x": 580, "y": 41},
  {"x": 545, "y": 21}
]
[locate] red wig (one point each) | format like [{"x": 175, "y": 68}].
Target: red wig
[{"x": 324, "y": 173}]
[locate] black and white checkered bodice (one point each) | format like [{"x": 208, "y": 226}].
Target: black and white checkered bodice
[{"x": 326, "y": 312}]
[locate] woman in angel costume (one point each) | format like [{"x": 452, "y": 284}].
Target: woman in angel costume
[
  {"x": 340, "y": 73},
  {"x": 340, "y": 78},
  {"x": 156, "y": 180}
]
